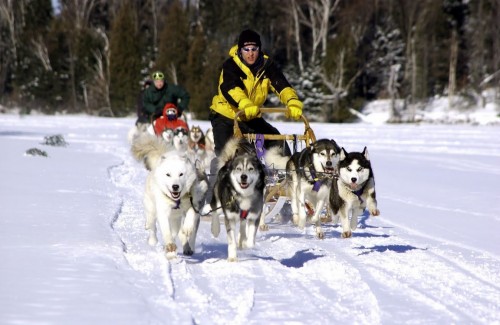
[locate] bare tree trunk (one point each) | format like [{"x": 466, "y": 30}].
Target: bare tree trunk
[
  {"x": 155, "y": 27},
  {"x": 40, "y": 50},
  {"x": 392, "y": 89},
  {"x": 318, "y": 21},
  {"x": 173, "y": 73},
  {"x": 8, "y": 15},
  {"x": 296, "y": 23},
  {"x": 452, "y": 78}
]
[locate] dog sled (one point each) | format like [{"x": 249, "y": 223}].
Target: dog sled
[{"x": 276, "y": 190}]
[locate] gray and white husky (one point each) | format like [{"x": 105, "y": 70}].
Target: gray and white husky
[
  {"x": 353, "y": 191},
  {"x": 174, "y": 193},
  {"x": 312, "y": 171},
  {"x": 239, "y": 192}
]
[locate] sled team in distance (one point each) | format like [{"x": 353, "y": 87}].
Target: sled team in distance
[{"x": 321, "y": 180}]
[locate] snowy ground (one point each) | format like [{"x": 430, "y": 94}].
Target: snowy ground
[{"x": 73, "y": 247}]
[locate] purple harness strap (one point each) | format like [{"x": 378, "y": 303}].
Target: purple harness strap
[
  {"x": 259, "y": 146},
  {"x": 317, "y": 183}
]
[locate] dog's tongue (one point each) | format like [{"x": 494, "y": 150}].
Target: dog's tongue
[
  {"x": 243, "y": 185},
  {"x": 175, "y": 195},
  {"x": 354, "y": 186}
]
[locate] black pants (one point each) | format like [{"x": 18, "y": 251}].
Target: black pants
[{"x": 223, "y": 129}]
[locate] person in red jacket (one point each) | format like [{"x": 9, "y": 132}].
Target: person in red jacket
[{"x": 169, "y": 122}]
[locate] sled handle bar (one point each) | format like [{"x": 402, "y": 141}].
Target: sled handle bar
[{"x": 308, "y": 135}]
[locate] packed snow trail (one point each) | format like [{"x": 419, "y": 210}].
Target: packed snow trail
[{"x": 291, "y": 275}]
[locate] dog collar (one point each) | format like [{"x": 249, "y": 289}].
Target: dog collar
[
  {"x": 358, "y": 193},
  {"x": 177, "y": 202}
]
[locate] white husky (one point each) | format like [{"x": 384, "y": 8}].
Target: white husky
[{"x": 174, "y": 193}]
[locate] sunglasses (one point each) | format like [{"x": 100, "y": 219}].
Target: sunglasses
[{"x": 248, "y": 49}]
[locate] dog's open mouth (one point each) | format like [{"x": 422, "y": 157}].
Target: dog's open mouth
[
  {"x": 244, "y": 185},
  {"x": 329, "y": 170},
  {"x": 175, "y": 195}
]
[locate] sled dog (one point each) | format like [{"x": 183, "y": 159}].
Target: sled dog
[
  {"x": 312, "y": 171},
  {"x": 173, "y": 195},
  {"x": 353, "y": 191},
  {"x": 239, "y": 192},
  {"x": 196, "y": 138}
]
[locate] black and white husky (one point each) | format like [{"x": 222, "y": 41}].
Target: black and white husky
[
  {"x": 239, "y": 192},
  {"x": 312, "y": 171},
  {"x": 353, "y": 191}
]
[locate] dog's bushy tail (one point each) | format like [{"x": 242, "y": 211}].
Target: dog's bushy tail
[
  {"x": 274, "y": 159},
  {"x": 148, "y": 149},
  {"x": 233, "y": 147}
]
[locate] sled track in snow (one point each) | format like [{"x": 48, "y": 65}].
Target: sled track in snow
[{"x": 380, "y": 260}]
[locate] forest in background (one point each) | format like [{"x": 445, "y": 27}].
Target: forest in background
[{"x": 92, "y": 56}]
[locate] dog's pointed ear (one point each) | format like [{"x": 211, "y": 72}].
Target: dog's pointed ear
[
  {"x": 335, "y": 145},
  {"x": 365, "y": 153},
  {"x": 343, "y": 153}
]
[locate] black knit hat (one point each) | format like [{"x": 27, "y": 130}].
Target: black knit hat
[{"x": 248, "y": 37}]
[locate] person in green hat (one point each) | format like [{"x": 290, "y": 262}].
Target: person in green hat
[{"x": 161, "y": 93}]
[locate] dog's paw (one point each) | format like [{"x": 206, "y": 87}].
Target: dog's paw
[
  {"x": 152, "y": 241},
  {"x": 232, "y": 259},
  {"x": 171, "y": 255},
  {"x": 264, "y": 227},
  {"x": 215, "y": 226},
  {"x": 375, "y": 212},
  {"x": 325, "y": 219},
  {"x": 346, "y": 234},
  {"x": 319, "y": 233},
  {"x": 188, "y": 251},
  {"x": 170, "y": 248}
]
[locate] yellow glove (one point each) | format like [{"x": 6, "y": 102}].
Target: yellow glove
[
  {"x": 294, "y": 109},
  {"x": 251, "y": 110}
]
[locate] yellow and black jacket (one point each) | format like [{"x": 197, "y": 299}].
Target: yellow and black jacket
[{"x": 239, "y": 84}]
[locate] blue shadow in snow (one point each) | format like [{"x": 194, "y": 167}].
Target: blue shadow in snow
[
  {"x": 362, "y": 221},
  {"x": 209, "y": 251},
  {"x": 385, "y": 248},
  {"x": 18, "y": 133},
  {"x": 300, "y": 258}
]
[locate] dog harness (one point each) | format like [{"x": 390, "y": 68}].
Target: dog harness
[
  {"x": 243, "y": 214},
  {"x": 259, "y": 146},
  {"x": 359, "y": 192},
  {"x": 317, "y": 182}
]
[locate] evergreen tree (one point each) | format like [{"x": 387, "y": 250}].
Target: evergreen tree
[
  {"x": 34, "y": 74},
  {"x": 125, "y": 61},
  {"x": 386, "y": 50},
  {"x": 203, "y": 68},
  {"x": 173, "y": 44}
]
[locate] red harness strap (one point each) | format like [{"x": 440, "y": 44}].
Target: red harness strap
[{"x": 243, "y": 214}]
